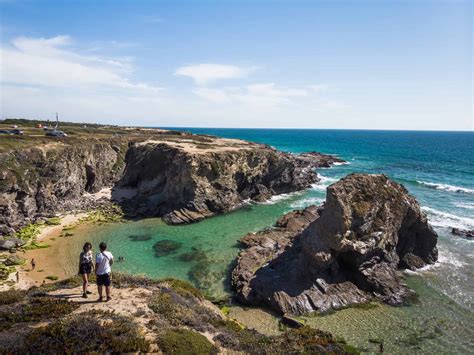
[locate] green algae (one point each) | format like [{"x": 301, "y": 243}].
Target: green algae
[{"x": 166, "y": 247}]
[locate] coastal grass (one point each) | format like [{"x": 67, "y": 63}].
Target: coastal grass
[
  {"x": 11, "y": 296},
  {"x": 53, "y": 221},
  {"x": 184, "y": 342},
  {"x": 36, "y": 245},
  {"x": 92, "y": 332},
  {"x": 180, "y": 317},
  {"x": 33, "y": 310}
]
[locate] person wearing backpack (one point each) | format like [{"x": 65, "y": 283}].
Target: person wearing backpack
[{"x": 103, "y": 262}]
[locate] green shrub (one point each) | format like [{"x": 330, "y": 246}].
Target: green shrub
[
  {"x": 185, "y": 342},
  {"x": 28, "y": 232},
  {"x": 53, "y": 221},
  {"x": 164, "y": 304},
  {"x": 11, "y": 296},
  {"x": 5, "y": 271},
  {"x": 84, "y": 333},
  {"x": 36, "y": 245},
  {"x": 12, "y": 260},
  {"x": 182, "y": 287},
  {"x": 35, "y": 309}
]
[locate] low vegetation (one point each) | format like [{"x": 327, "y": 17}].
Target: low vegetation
[
  {"x": 184, "y": 342},
  {"x": 177, "y": 317}
]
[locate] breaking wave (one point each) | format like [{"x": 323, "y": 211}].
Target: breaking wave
[
  {"x": 323, "y": 183},
  {"x": 447, "y": 220},
  {"x": 307, "y": 202},
  {"x": 446, "y": 187}
]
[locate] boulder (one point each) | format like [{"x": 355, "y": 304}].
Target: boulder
[
  {"x": 10, "y": 243},
  {"x": 469, "y": 234},
  {"x": 349, "y": 250}
]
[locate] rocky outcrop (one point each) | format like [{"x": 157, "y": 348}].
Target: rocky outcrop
[
  {"x": 180, "y": 176},
  {"x": 468, "y": 234},
  {"x": 188, "y": 182},
  {"x": 345, "y": 252},
  {"x": 40, "y": 181}
]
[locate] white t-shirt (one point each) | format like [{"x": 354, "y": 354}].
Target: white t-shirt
[{"x": 102, "y": 263}]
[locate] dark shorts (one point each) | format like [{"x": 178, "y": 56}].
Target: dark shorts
[
  {"x": 103, "y": 280},
  {"x": 85, "y": 268}
]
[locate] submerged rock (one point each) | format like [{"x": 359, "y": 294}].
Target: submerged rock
[
  {"x": 139, "y": 237},
  {"x": 166, "y": 247},
  {"x": 348, "y": 251},
  {"x": 469, "y": 234}
]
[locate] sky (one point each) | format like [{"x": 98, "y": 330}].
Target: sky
[{"x": 351, "y": 64}]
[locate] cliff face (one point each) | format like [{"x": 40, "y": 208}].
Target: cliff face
[
  {"x": 347, "y": 251},
  {"x": 39, "y": 181},
  {"x": 180, "y": 176},
  {"x": 187, "y": 183}
]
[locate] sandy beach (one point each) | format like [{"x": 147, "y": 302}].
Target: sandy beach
[{"x": 47, "y": 259}]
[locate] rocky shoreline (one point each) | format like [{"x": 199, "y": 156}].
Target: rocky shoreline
[
  {"x": 180, "y": 176},
  {"x": 347, "y": 251}
]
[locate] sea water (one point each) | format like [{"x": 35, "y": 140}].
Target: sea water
[{"x": 436, "y": 167}]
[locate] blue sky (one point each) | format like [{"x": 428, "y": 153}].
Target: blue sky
[{"x": 307, "y": 64}]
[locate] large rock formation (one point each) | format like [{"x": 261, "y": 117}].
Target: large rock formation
[
  {"x": 188, "y": 181},
  {"x": 347, "y": 251},
  {"x": 184, "y": 176},
  {"x": 39, "y": 181}
]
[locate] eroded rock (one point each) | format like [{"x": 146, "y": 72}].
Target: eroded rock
[
  {"x": 187, "y": 183},
  {"x": 347, "y": 251}
]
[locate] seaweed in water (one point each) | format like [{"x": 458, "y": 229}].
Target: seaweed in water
[
  {"x": 139, "y": 237},
  {"x": 166, "y": 247},
  {"x": 195, "y": 254}
]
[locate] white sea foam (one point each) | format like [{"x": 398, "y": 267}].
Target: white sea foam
[
  {"x": 341, "y": 163},
  {"x": 467, "y": 206},
  {"x": 448, "y": 220},
  {"x": 323, "y": 183},
  {"x": 281, "y": 197},
  {"x": 447, "y": 257},
  {"x": 446, "y": 187},
  {"x": 307, "y": 202}
]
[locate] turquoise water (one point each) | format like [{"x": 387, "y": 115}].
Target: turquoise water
[{"x": 436, "y": 167}]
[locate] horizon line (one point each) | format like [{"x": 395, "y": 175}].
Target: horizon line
[{"x": 259, "y": 128}]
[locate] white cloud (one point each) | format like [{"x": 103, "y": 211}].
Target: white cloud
[
  {"x": 254, "y": 95},
  {"x": 45, "y": 62},
  {"x": 204, "y": 74},
  {"x": 40, "y": 76},
  {"x": 322, "y": 88}
]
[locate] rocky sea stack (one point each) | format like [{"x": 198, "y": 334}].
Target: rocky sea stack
[{"x": 347, "y": 251}]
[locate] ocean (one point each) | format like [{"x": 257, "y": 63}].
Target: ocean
[{"x": 436, "y": 167}]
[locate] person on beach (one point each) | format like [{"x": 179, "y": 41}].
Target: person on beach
[
  {"x": 103, "y": 261},
  {"x": 33, "y": 264},
  {"x": 85, "y": 267},
  {"x": 17, "y": 277}
]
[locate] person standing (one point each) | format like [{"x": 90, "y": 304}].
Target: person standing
[
  {"x": 103, "y": 262},
  {"x": 17, "y": 277},
  {"x": 33, "y": 264},
  {"x": 85, "y": 267}
]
